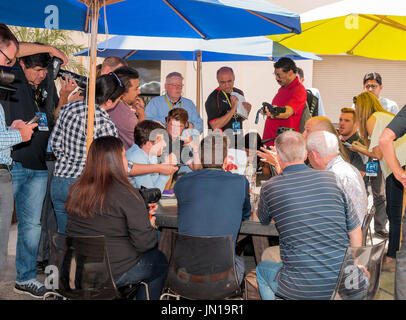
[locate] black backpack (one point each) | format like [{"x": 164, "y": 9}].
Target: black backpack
[
  {"x": 312, "y": 102},
  {"x": 311, "y": 109}
]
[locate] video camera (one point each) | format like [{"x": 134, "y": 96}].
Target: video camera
[
  {"x": 279, "y": 131},
  {"x": 6, "y": 78},
  {"x": 58, "y": 72},
  {"x": 150, "y": 195},
  {"x": 274, "y": 110}
]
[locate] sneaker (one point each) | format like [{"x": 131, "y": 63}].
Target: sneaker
[
  {"x": 383, "y": 234},
  {"x": 32, "y": 287}
]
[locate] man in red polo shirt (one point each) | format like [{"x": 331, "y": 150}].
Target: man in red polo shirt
[{"x": 292, "y": 95}]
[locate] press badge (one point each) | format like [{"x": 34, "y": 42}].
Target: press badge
[
  {"x": 42, "y": 122},
  {"x": 236, "y": 127},
  {"x": 371, "y": 168}
]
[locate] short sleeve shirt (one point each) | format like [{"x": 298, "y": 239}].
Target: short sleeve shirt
[{"x": 125, "y": 121}]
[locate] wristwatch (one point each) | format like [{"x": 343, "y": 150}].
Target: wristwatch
[{"x": 130, "y": 167}]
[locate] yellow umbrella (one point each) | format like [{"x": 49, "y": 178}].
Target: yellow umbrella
[{"x": 367, "y": 28}]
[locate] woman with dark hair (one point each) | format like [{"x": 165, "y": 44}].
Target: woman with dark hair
[
  {"x": 103, "y": 202},
  {"x": 68, "y": 139},
  {"x": 372, "y": 120}
]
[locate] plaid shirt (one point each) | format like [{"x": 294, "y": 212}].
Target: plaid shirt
[
  {"x": 68, "y": 138},
  {"x": 8, "y": 138}
]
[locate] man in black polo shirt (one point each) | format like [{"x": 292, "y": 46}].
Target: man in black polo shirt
[
  {"x": 396, "y": 129},
  {"x": 221, "y": 106}
]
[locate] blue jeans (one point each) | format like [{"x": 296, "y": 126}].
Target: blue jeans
[
  {"x": 6, "y": 213},
  {"x": 59, "y": 194},
  {"x": 152, "y": 268},
  {"x": 266, "y": 271},
  {"x": 29, "y": 191}
]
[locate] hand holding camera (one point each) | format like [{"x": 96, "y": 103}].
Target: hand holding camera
[{"x": 269, "y": 110}]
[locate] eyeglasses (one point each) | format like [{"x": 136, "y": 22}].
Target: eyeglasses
[
  {"x": 9, "y": 61},
  {"x": 372, "y": 86},
  {"x": 177, "y": 86}
]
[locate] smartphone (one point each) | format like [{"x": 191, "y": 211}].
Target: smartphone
[
  {"x": 34, "y": 119},
  {"x": 347, "y": 144}
]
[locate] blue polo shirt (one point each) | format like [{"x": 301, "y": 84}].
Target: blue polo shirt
[
  {"x": 212, "y": 203},
  {"x": 158, "y": 108}
]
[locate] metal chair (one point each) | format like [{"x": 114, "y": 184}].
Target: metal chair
[
  {"x": 366, "y": 227},
  {"x": 84, "y": 270},
  {"x": 202, "y": 268},
  {"x": 353, "y": 282}
]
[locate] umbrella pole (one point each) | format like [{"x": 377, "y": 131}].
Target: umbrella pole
[
  {"x": 198, "y": 72},
  {"x": 92, "y": 74}
]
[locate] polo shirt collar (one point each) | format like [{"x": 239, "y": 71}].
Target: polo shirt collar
[
  {"x": 333, "y": 162},
  {"x": 295, "y": 82},
  {"x": 295, "y": 168},
  {"x": 170, "y": 100}
]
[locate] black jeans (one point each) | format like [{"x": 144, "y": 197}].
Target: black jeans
[{"x": 394, "y": 198}]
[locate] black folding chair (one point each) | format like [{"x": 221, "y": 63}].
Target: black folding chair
[
  {"x": 84, "y": 270},
  {"x": 360, "y": 273},
  {"x": 202, "y": 268}
]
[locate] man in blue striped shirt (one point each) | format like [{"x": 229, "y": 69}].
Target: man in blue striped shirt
[
  {"x": 315, "y": 224},
  {"x": 9, "y": 136}
]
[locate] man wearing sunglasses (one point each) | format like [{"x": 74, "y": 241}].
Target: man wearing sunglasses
[
  {"x": 13, "y": 113},
  {"x": 373, "y": 83}
]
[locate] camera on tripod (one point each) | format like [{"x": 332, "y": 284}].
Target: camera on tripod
[
  {"x": 58, "y": 72},
  {"x": 274, "y": 110}
]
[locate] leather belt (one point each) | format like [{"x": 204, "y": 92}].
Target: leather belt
[
  {"x": 4, "y": 166},
  {"x": 202, "y": 279}
]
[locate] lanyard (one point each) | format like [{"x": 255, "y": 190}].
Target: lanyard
[
  {"x": 170, "y": 104},
  {"x": 37, "y": 96},
  {"x": 229, "y": 102}
]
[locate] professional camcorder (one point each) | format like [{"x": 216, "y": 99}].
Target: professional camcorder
[
  {"x": 150, "y": 195},
  {"x": 58, "y": 72},
  {"x": 279, "y": 131},
  {"x": 274, "y": 110}
]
